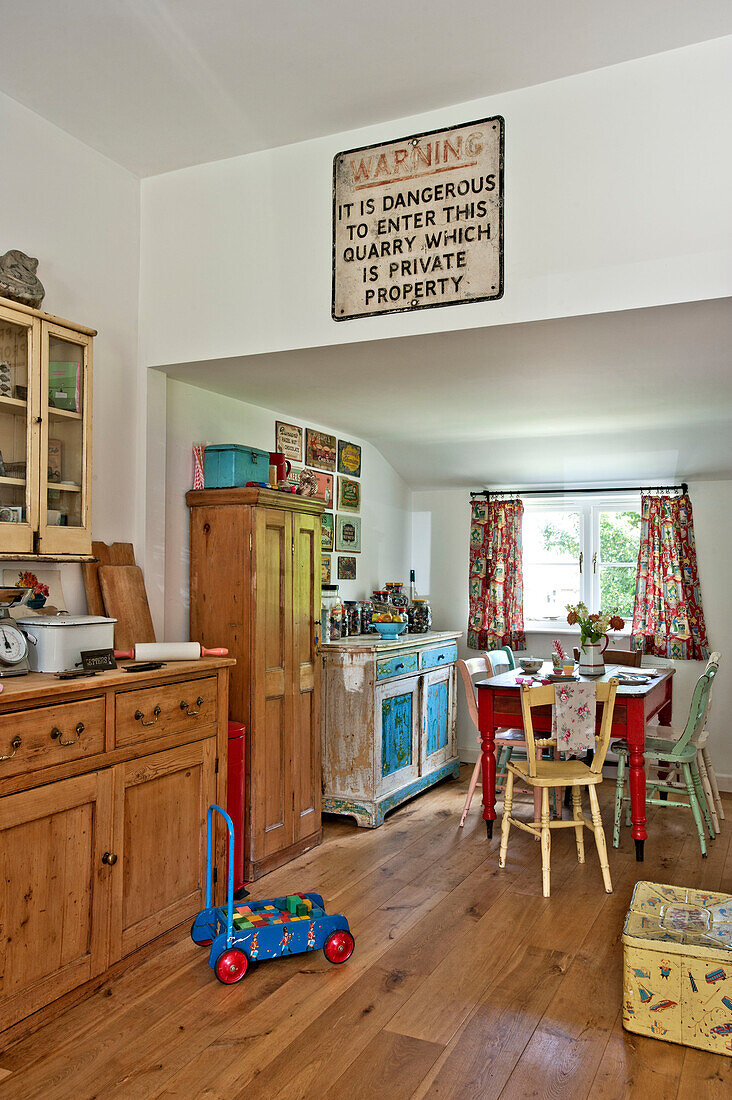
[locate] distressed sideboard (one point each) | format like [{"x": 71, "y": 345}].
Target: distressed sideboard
[{"x": 389, "y": 721}]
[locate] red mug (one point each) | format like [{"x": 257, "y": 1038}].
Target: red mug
[{"x": 281, "y": 464}]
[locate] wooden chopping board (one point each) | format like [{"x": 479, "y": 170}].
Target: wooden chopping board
[
  {"x": 125, "y": 599},
  {"x": 116, "y": 553}
]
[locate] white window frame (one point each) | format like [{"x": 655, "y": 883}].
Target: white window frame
[{"x": 589, "y": 506}]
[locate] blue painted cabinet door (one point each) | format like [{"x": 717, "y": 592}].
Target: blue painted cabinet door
[
  {"x": 397, "y": 716},
  {"x": 438, "y": 719}
]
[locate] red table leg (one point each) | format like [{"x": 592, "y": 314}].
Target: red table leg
[
  {"x": 488, "y": 758},
  {"x": 635, "y": 734}
]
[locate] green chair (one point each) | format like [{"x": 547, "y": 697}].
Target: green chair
[{"x": 669, "y": 757}]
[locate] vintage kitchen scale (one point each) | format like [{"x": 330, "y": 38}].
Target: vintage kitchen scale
[{"x": 13, "y": 642}]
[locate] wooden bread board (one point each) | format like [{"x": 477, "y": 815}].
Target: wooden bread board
[
  {"x": 125, "y": 599},
  {"x": 116, "y": 553}
]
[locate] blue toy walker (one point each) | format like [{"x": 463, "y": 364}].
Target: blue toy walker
[{"x": 248, "y": 933}]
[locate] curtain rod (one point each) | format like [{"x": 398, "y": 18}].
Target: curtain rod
[{"x": 682, "y": 488}]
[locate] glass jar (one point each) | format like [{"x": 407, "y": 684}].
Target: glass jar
[
  {"x": 396, "y": 596},
  {"x": 331, "y": 614},
  {"x": 367, "y": 610},
  {"x": 352, "y": 618},
  {"x": 420, "y": 617}
]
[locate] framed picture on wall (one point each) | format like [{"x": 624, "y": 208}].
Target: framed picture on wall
[
  {"x": 349, "y": 495},
  {"x": 348, "y": 534},
  {"x": 346, "y": 569},
  {"x": 326, "y": 532},
  {"x": 320, "y": 449},
  {"x": 325, "y": 570},
  {"x": 349, "y": 458},
  {"x": 288, "y": 440}
]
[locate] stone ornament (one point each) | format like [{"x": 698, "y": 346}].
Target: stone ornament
[{"x": 18, "y": 279}]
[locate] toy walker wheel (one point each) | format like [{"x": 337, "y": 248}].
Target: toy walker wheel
[
  {"x": 199, "y": 943},
  {"x": 231, "y": 966},
  {"x": 339, "y": 946}
]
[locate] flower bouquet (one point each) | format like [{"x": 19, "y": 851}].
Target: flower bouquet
[
  {"x": 40, "y": 590},
  {"x": 593, "y": 630}
]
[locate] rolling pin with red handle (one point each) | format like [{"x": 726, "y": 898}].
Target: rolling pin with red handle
[{"x": 168, "y": 651}]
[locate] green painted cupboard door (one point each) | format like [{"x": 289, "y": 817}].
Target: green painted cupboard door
[
  {"x": 438, "y": 711},
  {"x": 396, "y": 733}
]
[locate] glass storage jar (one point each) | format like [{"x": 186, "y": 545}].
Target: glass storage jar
[{"x": 420, "y": 617}]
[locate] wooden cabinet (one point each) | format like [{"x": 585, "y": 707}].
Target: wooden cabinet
[
  {"x": 102, "y": 837},
  {"x": 389, "y": 722},
  {"x": 54, "y": 891},
  {"x": 159, "y": 804},
  {"x": 255, "y": 588},
  {"x": 45, "y": 433}
]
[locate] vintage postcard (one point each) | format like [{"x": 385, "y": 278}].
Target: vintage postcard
[
  {"x": 288, "y": 440},
  {"x": 349, "y": 495},
  {"x": 346, "y": 569},
  {"x": 326, "y": 532},
  {"x": 325, "y": 570},
  {"x": 348, "y": 534},
  {"x": 320, "y": 449},
  {"x": 349, "y": 458}
]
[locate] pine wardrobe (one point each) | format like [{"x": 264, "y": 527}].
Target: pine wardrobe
[{"x": 255, "y": 588}]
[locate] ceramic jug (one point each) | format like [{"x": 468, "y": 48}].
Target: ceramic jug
[{"x": 591, "y": 662}]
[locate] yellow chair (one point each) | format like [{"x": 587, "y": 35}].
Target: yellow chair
[{"x": 544, "y": 774}]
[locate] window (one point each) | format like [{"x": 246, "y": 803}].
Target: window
[{"x": 586, "y": 551}]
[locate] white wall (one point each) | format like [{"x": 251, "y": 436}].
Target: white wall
[
  {"x": 616, "y": 198},
  {"x": 440, "y": 526},
  {"x": 198, "y": 416},
  {"x": 78, "y": 213}
]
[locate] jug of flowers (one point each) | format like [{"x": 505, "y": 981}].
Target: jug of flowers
[{"x": 593, "y": 634}]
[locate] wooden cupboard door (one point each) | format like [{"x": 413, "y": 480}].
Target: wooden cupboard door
[
  {"x": 54, "y": 891},
  {"x": 19, "y": 430},
  {"x": 397, "y": 740},
  {"x": 306, "y": 777},
  {"x": 271, "y": 801},
  {"x": 438, "y": 705},
  {"x": 160, "y": 806},
  {"x": 64, "y": 522}
]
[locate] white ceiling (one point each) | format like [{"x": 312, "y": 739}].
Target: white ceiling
[
  {"x": 161, "y": 84},
  {"x": 633, "y": 395}
]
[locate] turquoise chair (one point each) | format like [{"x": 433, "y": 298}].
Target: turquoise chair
[{"x": 670, "y": 758}]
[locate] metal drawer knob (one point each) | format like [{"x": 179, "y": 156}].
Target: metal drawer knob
[
  {"x": 187, "y": 707},
  {"x": 110, "y": 858},
  {"x": 56, "y": 733},
  {"x": 441, "y": 657},
  {"x": 140, "y": 716},
  {"x": 15, "y": 745},
  {"x": 400, "y": 665}
]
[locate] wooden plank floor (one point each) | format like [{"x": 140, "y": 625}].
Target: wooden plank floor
[{"x": 465, "y": 982}]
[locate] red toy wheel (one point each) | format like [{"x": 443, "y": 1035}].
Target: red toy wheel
[
  {"x": 199, "y": 943},
  {"x": 231, "y": 966},
  {"x": 339, "y": 946}
]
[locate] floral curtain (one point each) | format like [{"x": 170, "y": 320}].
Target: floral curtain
[
  {"x": 668, "y": 620},
  {"x": 496, "y": 577}
]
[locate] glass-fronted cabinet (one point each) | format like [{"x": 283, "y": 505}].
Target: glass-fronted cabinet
[
  {"x": 45, "y": 434},
  {"x": 65, "y": 472},
  {"x": 19, "y": 383}
]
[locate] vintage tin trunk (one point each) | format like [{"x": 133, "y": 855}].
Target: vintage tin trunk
[
  {"x": 226, "y": 465},
  {"x": 677, "y": 967}
]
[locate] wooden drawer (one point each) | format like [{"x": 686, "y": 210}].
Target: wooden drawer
[
  {"x": 398, "y": 665},
  {"x": 45, "y": 736},
  {"x": 154, "y": 712},
  {"x": 440, "y": 655}
]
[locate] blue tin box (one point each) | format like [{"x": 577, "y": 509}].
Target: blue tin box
[{"x": 226, "y": 465}]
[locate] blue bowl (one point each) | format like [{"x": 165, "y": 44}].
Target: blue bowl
[{"x": 390, "y": 630}]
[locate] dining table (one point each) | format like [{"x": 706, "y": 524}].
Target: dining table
[{"x": 499, "y": 706}]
